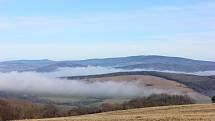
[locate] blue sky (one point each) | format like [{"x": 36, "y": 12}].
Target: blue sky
[{"x": 80, "y": 29}]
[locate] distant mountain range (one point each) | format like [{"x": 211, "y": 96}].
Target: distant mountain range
[{"x": 160, "y": 63}]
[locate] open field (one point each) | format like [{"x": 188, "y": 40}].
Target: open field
[{"x": 197, "y": 112}]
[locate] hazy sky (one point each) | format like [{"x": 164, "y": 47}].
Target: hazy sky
[{"x": 79, "y": 29}]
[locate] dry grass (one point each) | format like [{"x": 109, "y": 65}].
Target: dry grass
[
  {"x": 203, "y": 112},
  {"x": 153, "y": 82}
]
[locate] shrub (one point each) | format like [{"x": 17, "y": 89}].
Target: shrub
[
  {"x": 104, "y": 107},
  {"x": 213, "y": 99},
  {"x": 7, "y": 112},
  {"x": 158, "y": 100},
  {"x": 13, "y": 109},
  {"x": 50, "y": 110}
]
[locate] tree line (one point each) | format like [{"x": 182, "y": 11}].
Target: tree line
[{"x": 17, "y": 109}]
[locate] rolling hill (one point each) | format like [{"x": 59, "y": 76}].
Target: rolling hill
[
  {"x": 161, "y": 63},
  {"x": 201, "y": 84},
  {"x": 154, "y": 84},
  {"x": 201, "y": 88}
]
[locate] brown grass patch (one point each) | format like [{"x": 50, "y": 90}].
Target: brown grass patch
[{"x": 203, "y": 112}]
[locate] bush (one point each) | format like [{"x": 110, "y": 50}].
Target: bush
[
  {"x": 17, "y": 109},
  {"x": 158, "y": 100},
  {"x": 13, "y": 109},
  {"x": 213, "y": 99},
  {"x": 50, "y": 110},
  {"x": 6, "y": 111}
]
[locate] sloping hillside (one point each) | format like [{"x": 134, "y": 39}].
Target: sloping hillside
[
  {"x": 201, "y": 84},
  {"x": 204, "y": 112},
  {"x": 156, "y": 85}
]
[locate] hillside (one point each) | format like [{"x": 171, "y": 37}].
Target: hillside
[
  {"x": 203, "y": 112},
  {"x": 161, "y": 63},
  {"x": 156, "y": 84},
  {"x": 143, "y": 83},
  {"x": 201, "y": 84}
]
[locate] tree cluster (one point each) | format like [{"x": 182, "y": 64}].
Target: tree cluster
[{"x": 14, "y": 109}]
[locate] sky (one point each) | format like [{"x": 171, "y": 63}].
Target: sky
[{"x": 82, "y": 29}]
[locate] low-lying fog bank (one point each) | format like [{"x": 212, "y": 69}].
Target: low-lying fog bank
[
  {"x": 92, "y": 70},
  {"x": 37, "y": 83},
  {"x": 48, "y": 84}
]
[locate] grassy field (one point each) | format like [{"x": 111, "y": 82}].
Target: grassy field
[
  {"x": 153, "y": 82},
  {"x": 87, "y": 101},
  {"x": 200, "y": 112}
]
